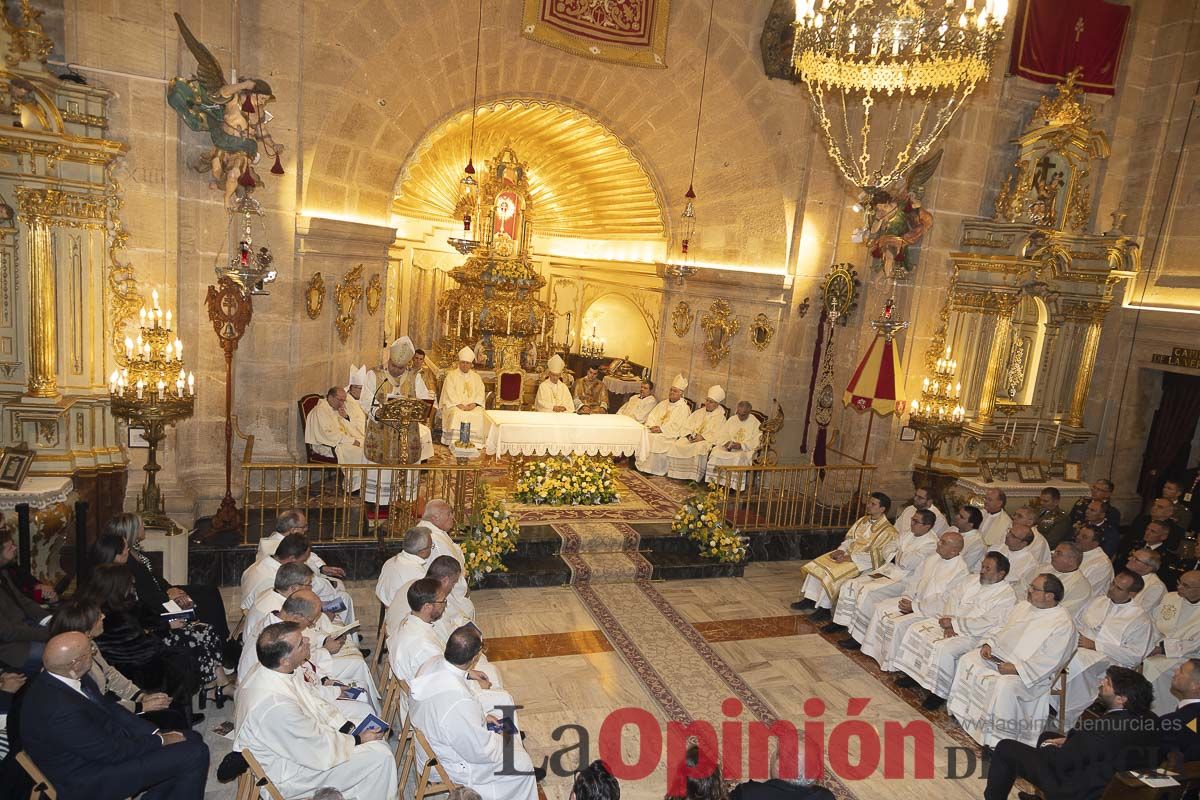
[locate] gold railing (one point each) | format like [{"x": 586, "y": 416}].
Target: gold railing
[
  {"x": 794, "y": 497},
  {"x": 351, "y": 502}
]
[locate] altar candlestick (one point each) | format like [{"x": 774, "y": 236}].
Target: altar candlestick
[
  {"x": 1036, "y": 428},
  {"x": 471, "y": 325},
  {"x": 508, "y": 331},
  {"x": 142, "y": 316}
]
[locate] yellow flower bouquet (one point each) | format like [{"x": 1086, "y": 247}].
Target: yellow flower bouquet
[
  {"x": 700, "y": 520},
  {"x": 488, "y": 537},
  {"x": 562, "y": 481}
]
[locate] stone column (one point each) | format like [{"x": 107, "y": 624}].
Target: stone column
[{"x": 35, "y": 206}]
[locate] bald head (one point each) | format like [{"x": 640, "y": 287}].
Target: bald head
[
  {"x": 68, "y": 654},
  {"x": 950, "y": 544},
  {"x": 301, "y": 604},
  {"x": 440, "y": 513}
]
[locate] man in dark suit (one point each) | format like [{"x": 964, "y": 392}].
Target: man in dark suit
[
  {"x": 22, "y": 632},
  {"x": 788, "y": 782},
  {"x": 1102, "y": 490},
  {"x": 1161, "y": 511},
  {"x": 1154, "y": 537},
  {"x": 1079, "y": 766},
  {"x": 1180, "y": 741},
  {"x": 90, "y": 747}
]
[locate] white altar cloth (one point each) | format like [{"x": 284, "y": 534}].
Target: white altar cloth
[{"x": 532, "y": 433}]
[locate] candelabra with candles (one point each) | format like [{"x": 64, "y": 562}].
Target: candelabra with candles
[
  {"x": 937, "y": 416},
  {"x": 592, "y": 346},
  {"x": 153, "y": 390}
]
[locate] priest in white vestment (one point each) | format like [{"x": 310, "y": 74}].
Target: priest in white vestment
[
  {"x": 332, "y": 654},
  {"x": 1112, "y": 630},
  {"x": 1002, "y": 690},
  {"x": 921, "y": 501},
  {"x": 1064, "y": 565},
  {"x": 1096, "y": 566},
  {"x": 1022, "y": 564},
  {"x": 294, "y": 733},
  {"x": 1026, "y": 517},
  {"x": 293, "y": 520},
  {"x": 361, "y": 388},
  {"x": 995, "y": 519},
  {"x": 553, "y": 396},
  {"x": 462, "y": 399},
  {"x": 966, "y": 523},
  {"x": 869, "y": 544},
  {"x": 1177, "y": 631},
  {"x": 737, "y": 440},
  {"x": 687, "y": 456},
  {"x": 405, "y": 567},
  {"x": 975, "y": 606},
  {"x": 857, "y": 600},
  {"x": 925, "y": 593},
  {"x": 665, "y": 424},
  {"x": 641, "y": 404},
  {"x": 289, "y": 578},
  {"x": 1147, "y": 563},
  {"x": 438, "y": 519},
  {"x": 454, "y": 722},
  {"x": 260, "y": 577},
  {"x": 337, "y": 429}
]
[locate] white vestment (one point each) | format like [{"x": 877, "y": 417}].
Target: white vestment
[
  {"x": 397, "y": 573},
  {"x": 259, "y": 577},
  {"x": 858, "y": 597},
  {"x": 975, "y": 610},
  {"x": 452, "y": 719},
  {"x": 990, "y": 706},
  {"x": 347, "y": 665},
  {"x": 1177, "y": 628},
  {"x": 670, "y": 417},
  {"x": 1098, "y": 569},
  {"x": 869, "y": 543},
  {"x": 1153, "y": 593},
  {"x": 257, "y": 618},
  {"x": 1077, "y": 591},
  {"x": 332, "y": 435},
  {"x": 459, "y": 389},
  {"x": 444, "y": 545},
  {"x": 926, "y": 588},
  {"x": 551, "y": 394},
  {"x": 994, "y": 527},
  {"x": 687, "y": 460},
  {"x": 294, "y": 734},
  {"x": 974, "y": 548},
  {"x": 417, "y": 642},
  {"x": 1122, "y": 634},
  {"x": 1022, "y": 567},
  {"x": 638, "y": 407},
  {"x": 903, "y": 523},
  {"x": 748, "y": 434}
]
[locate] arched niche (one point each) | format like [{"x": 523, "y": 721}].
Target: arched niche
[
  {"x": 1024, "y": 354},
  {"x": 623, "y": 327}
]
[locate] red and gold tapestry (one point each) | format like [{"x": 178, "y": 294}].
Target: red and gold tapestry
[
  {"x": 1053, "y": 37},
  {"x": 630, "y": 32}
]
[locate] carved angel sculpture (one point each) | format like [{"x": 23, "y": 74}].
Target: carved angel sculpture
[
  {"x": 233, "y": 114},
  {"x": 897, "y": 221}
]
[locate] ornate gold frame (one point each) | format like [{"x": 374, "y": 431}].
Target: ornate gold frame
[
  {"x": 374, "y": 294},
  {"x": 348, "y": 293},
  {"x": 314, "y": 295},
  {"x": 761, "y": 332},
  {"x": 682, "y": 318},
  {"x": 719, "y": 326}
]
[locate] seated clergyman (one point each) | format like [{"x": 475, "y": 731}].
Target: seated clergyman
[
  {"x": 688, "y": 455},
  {"x": 869, "y": 544},
  {"x": 337, "y": 429},
  {"x": 1177, "y": 638},
  {"x": 553, "y": 396},
  {"x": 641, "y": 404},
  {"x": 665, "y": 425},
  {"x": 736, "y": 440},
  {"x": 590, "y": 395}
]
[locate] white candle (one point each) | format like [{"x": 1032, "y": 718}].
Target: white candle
[
  {"x": 168, "y": 318},
  {"x": 509, "y": 330},
  {"x": 1036, "y": 428},
  {"x": 1057, "y": 431},
  {"x": 471, "y": 325},
  {"x": 142, "y": 316},
  {"x": 128, "y": 347},
  {"x": 459, "y": 326},
  {"x": 191, "y": 383},
  {"x": 179, "y": 349},
  {"x": 154, "y": 297}
]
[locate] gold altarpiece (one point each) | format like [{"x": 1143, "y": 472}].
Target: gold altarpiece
[
  {"x": 64, "y": 287},
  {"x": 1029, "y": 293}
]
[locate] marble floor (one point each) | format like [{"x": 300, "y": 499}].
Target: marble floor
[{"x": 571, "y": 662}]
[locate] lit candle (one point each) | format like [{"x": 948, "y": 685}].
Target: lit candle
[
  {"x": 957, "y": 390},
  {"x": 179, "y": 349},
  {"x": 167, "y": 351},
  {"x": 458, "y": 328},
  {"x": 471, "y": 325},
  {"x": 508, "y": 332},
  {"x": 179, "y": 388},
  {"x": 1036, "y": 428},
  {"x": 912, "y": 408},
  {"x": 925, "y": 385},
  {"x": 140, "y": 389},
  {"x": 191, "y": 383},
  {"x": 162, "y": 389},
  {"x": 168, "y": 318},
  {"x": 154, "y": 297},
  {"x": 142, "y": 315}
]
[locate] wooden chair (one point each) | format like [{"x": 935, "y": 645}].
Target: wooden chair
[
  {"x": 42, "y": 789},
  {"x": 1059, "y": 690},
  {"x": 306, "y": 404},
  {"x": 510, "y": 388},
  {"x": 254, "y": 780},
  {"x": 416, "y": 741},
  {"x": 380, "y": 669}
]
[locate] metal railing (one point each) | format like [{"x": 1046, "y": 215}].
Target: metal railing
[
  {"x": 794, "y": 496},
  {"x": 352, "y": 502}
]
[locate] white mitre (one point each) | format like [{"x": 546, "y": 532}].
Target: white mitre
[
  {"x": 679, "y": 383},
  {"x": 466, "y": 354},
  {"x": 716, "y": 394},
  {"x": 401, "y": 351},
  {"x": 556, "y": 364}
]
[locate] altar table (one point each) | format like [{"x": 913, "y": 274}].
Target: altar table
[{"x": 530, "y": 433}]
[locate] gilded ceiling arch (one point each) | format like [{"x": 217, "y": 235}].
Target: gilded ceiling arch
[{"x": 585, "y": 182}]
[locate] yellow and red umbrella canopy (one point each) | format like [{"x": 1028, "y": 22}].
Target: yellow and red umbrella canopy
[{"x": 875, "y": 385}]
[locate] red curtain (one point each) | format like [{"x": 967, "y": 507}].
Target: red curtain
[
  {"x": 1171, "y": 431},
  {"x": 1053, "y": 37}
]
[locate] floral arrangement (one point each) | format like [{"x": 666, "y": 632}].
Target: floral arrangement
[
  {"x": 700, "y": 519},
  {"x": 488, "y": 537},
  {"x": 562, "y": 481}
]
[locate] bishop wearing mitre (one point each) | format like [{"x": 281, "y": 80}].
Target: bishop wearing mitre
[
  {"x": 688, "y": 456},
  {"x": 336, "y": 428},
  {"x": 737, "y": 440},
  {"x": 553, "y": 396},
  {"x": 462, "y": 399},
  {"x": 398, "y": 378},
  {"x": 665, "y": 425},
  {"x": 869, "y": 544},
  {"x": 361, "y": 387},
  {"x": 390, "y": 377}
]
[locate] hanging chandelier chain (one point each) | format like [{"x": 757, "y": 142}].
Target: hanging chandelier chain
[
  {"x": 700, "y": 105},
  {"x": 475, "y": 87}
]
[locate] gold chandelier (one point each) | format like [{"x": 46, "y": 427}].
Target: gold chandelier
[
  {"x": 903, "y": 66},
  {"x": 938, "y": 415}
]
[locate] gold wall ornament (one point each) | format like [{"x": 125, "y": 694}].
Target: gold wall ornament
[
  {"x": 123, "y": 297},
  {"x": 314, "y": 295},
  {"x": 839, "y": 292},
  {"x": 761, "y": 331},
  {"x": 682, "y": 318},
  {"x": 374, "y": 294},
  {"x": 28, "y": 41},
  {"x": 719, "y": 326},
  {"x": 348, "y": 293}
]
